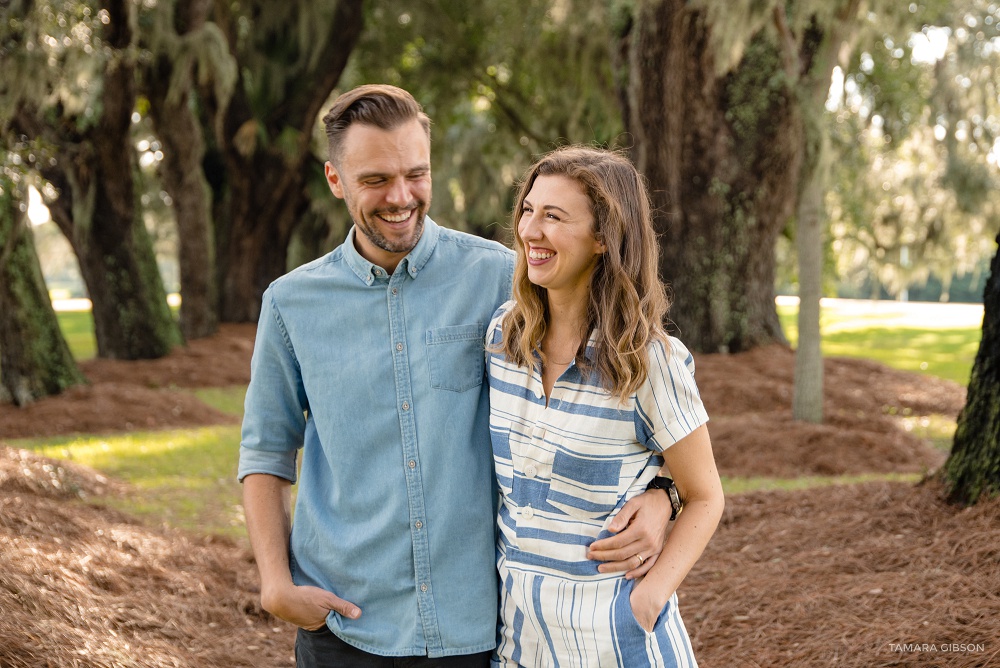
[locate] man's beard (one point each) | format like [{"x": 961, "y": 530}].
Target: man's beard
[{"x": 405, "y": 245}]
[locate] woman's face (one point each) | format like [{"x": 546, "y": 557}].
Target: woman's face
[{"x": 557, "y": 229}]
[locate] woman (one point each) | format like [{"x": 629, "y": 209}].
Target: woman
[{"x": 590, "y": 401}]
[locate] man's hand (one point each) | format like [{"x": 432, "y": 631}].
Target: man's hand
[
  {"x": 641, "y": 528},
  {"x": 306, "y": 607}
]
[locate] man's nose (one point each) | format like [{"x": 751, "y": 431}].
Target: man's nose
[{"x": 399, "y": 193}]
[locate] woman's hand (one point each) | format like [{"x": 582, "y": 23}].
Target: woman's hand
[
  {"x": 641, "y": 528},
  {"x": 646, "y": 605}
]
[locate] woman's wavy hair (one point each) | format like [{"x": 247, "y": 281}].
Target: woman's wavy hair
[{"x": 628, "y": 303}]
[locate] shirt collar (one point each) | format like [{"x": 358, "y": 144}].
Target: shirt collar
[{"x": 411, "y": 264}]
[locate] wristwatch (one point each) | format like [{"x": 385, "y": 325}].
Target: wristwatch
[{"x": 668, "y": 486}]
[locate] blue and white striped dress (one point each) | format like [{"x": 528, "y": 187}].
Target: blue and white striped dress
[{"x": 564, "y": 471}]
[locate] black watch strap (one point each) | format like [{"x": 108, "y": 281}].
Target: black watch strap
[{"x": 668, "y": 486}]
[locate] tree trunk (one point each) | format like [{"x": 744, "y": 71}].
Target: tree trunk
[
  {"x": 266, "y": 170},
  {"x": 99, "y": 214},
  {"x": 35, "y": 360},
  {"x": 973, "y": 468},
  {"x": 179, "y": 130},
  {"x": 809, "y": 60},
  {"x": 807, "y": 397},
  {"x": 722, "y": 154}
]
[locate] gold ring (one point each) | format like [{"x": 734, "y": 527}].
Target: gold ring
[{"x": 641, "y": 560}]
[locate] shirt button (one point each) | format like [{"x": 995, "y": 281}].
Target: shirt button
[
  {"x": 423, "y": 587},
  {"x": 399, "y": 346},
  {"x": 406, "y": 405},
  {"x": 395, "y": 291},
  {"x": 530, "y": 471},
  {"x": 412, "y": 464},
  {"x": 418, "y": 524},
  {"x": 527, "y": 512}
]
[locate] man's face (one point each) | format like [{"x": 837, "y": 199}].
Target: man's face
[{"x": 384, "y": 177}]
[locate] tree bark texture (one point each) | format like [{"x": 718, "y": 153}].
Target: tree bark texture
[
  {"x": 260, "y": 189},
  {"x": 972, "y": 471},
  {"x": 99, "y": 213},
  {"x": 35, "y": 360},
  {"x": 178, "y": 127},
  {"x": 722, "y": 154}
]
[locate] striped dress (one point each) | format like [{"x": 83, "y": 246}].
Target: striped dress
[{"x": 564, "y": 471}]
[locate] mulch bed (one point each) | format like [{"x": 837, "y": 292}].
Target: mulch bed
[
  {"x": 83, "y": 585},
  {"x": 879, "y": 574}
]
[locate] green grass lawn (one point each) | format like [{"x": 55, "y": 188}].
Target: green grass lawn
[
  {"x": 901, "y": 341},
  {"x": 187, "y": 478},
  {"x": 78, "y": 329}
]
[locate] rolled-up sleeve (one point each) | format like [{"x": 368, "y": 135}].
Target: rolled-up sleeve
[{"x": 274, "y": 420}]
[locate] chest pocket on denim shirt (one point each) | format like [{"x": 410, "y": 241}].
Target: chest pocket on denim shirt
[{"x": 455, "y": 357}]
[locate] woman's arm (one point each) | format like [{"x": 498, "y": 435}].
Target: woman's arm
[{"x": 691, "y": 464}]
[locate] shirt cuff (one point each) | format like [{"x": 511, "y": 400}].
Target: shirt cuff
[{"x": 280, "y": 464}]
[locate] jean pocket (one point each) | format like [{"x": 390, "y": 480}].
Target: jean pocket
[
  {"x": 584, "y": 487},
  {"x": 456, "y": 357}
]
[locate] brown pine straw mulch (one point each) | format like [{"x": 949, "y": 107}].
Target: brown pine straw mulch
[
  {"x": 879, "y": 574},
  {"x": 141, "y": 395},
  {"x": 84, "y": 585}
]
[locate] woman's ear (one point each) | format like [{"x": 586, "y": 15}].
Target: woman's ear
[{"x": 600, "y": 248}]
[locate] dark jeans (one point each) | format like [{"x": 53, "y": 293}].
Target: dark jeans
[{"x": 322, "y": 649}]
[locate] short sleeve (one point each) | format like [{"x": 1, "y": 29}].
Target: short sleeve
[
  {"x": 274, "y": 414},
  {"x": 668, "y": 405},
  {"x": 494, "y": 333}
]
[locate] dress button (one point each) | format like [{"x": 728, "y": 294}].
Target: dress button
[
  {"x": 395, "y": 291},
  {"x": 406, "y": 405},
  {"x": 418, "y": 524},
  {"x": 412, "y": 464},
  {"x": 423, "y": 587},
  {"x": 399, "y": 346},
  {"x": 527, "y": 512},
  {"x": 530, "y": 471}
]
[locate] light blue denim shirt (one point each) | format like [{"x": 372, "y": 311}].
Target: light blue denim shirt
[{"x": 379, "y": 379}]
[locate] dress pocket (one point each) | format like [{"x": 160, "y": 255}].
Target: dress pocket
[
  {"x": 584, "y": 487},
  {"x": 456, "y": 357}
]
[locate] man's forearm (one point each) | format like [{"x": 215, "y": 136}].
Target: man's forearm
[{"x": 267, "y": 505}]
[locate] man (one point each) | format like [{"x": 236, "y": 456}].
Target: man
[{"x": 370, "y": 359}]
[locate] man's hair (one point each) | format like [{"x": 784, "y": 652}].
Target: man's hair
[
  {"x": 380, "y": 105},
  {"x": 628, "y": 303}
]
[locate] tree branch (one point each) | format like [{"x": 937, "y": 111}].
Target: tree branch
[{"x": 787, "y": 43}]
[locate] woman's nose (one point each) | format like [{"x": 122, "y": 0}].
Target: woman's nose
[{"x": 528, "y": 227}]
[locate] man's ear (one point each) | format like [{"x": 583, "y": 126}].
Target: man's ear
[{"x": 333, "y": 180}]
